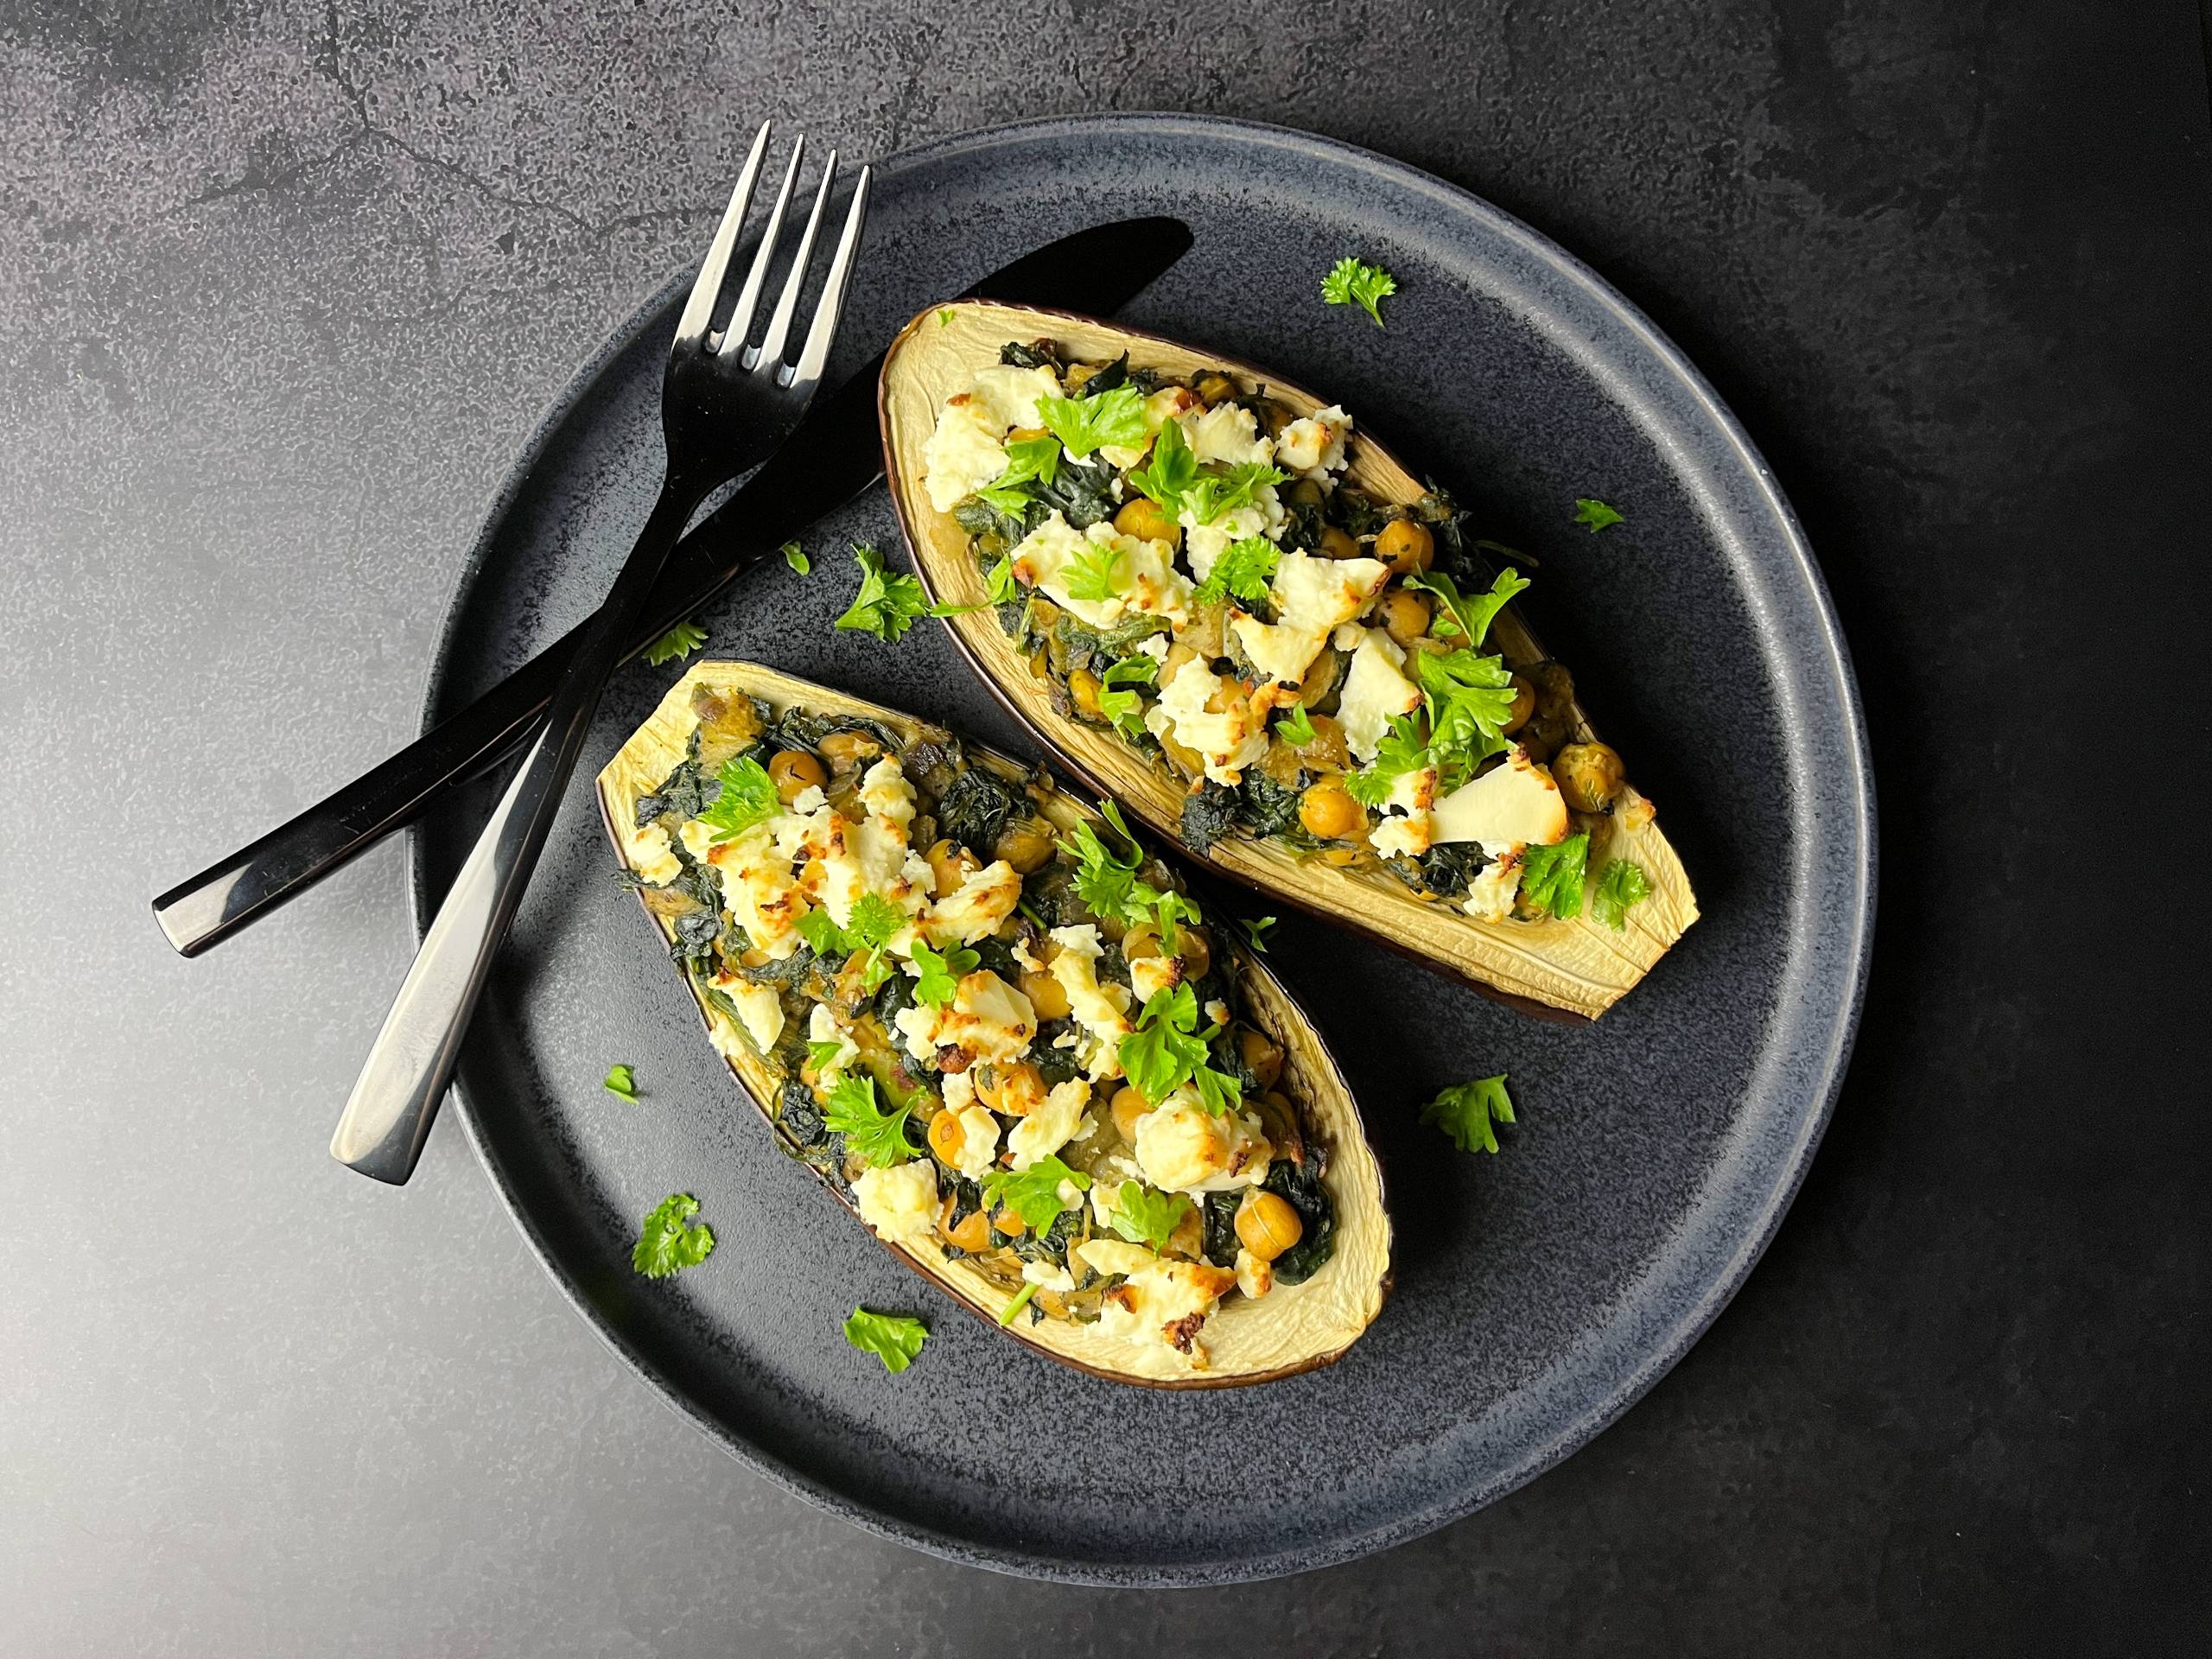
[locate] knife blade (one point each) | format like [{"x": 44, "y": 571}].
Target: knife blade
[{"x": 832, "y": 456}]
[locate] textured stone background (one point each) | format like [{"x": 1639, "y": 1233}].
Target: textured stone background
[{"x": 281, "y": 289}]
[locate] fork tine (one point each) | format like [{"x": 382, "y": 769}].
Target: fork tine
[
  {"x": 699, "y": 310},
  {"x": 780, "y": 326},
  {"x": 740, "y": 319},
  {"x": 831, "y": 306}
]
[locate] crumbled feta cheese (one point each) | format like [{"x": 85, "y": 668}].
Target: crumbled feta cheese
[
  {"x": 1375, "y": 693},
  {"x": 1149, "y": 976},
  {"x": 1255, "y": 1278},
  {"x": 1314, "y": 445},
  {"x": 1312, "y": 596},
  {"x": 1100, "y": 1010},
  {"x": 1412, "y": 793},
  {"x": 759, "y": 1008},
  {"x": 1051, "y": 1126},
  {"x": 986, "y": 898},
  {"x": 653, "y": 859},
  {"x": 1008, "y": 396},
  {"x": 1226, "y": 742},
  {"x": 1203, "y": 544},
  {"x": 823, "y": 1026},
  {"x": 886, "y": 792},
  {"x": 988, "y": 1021},
  {"x": 963, "y": 454},
  {"x": 1147, "y": 582},
  {"x": 1160, "y": 408},
  {"x": 1490, "y": 894},
  {"x": 1182, "y": 1147},
  {"x": 758, "y": 887},
  {"x": 1160, "y": 1300},
  {"x": 979, "y": 1135},
  {"x": 1512, "y": 804},
  {"x": 1228, "y": 433},
  {"x": 900, "y": 1203},
  {"x": 1046, "y": 1276}
]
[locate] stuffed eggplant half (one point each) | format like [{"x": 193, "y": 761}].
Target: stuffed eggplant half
[
  {"x": 1220, "y": 603},
  {"x": 1005, "y": 1037}
]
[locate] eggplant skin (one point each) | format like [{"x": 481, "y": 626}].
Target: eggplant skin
[
  {"x": 1571, "y": 971},
  {"x": 1294, "y": 1328}
]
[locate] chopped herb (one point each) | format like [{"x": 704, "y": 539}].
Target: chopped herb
[
  {"x": 1242, "y": 568},
  {"x": 795, "y": 556},
  {"x": 823, "y": 1057},
  {"x": 1034, "y": 1194},
  {"x": 1468, "y": 619},
  {"x": 873, "y": 1135},
  {"x": 670, "y": 1240},
  {"x": 748, "y": 798},
  {"x": 1296, "y": 727},
  {"x": 1117, "y": 702},
  {"x": 998, "y": 589},
  {"x": 1596, "y": 514},
  {"x": 1466, "y": 1112},
  {"x": 1551, "y": 877},
  {"x": 944, "y": 316},
  {"x": 823, "y": 937},
  {"x": 1621, "y": 887},
  {"x": 1401, "y": 750},
  {"x": 1167, "y": 1051},
  {"x": 940, "y": 975},
  {"x": 1144, "y": 1216},
  {"x": 1217, "y": 493},
  {"x": 622, "y": 1082},
  {"x": 1112, "y": 417},
  {"x": 1354, "y": 282},
  {"x": 891, "y": 1338},
  {"x": 1020, "y": 1301},
  {"x": 1470, "y": 700},
  {"x": 887, "y": 603},
  {"x": 1107, "y": 880},
  {"x": 1253, "y": 928},
  {"x": 1095, "y": 573},
  {"x": 1172, "y": 470},
  {"x": 1029, "y": 461},
  {"x": 675, "y": 644}
]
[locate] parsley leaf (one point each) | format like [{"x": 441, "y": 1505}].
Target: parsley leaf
[
  {"x": 1167, "y": 1051},
  {"x": 1253, "y": 929},
  {"x": 1401, "y": 750},
  {"x": 1172, "y": 470},
  {"x": 675, "y": 644},
  {"x": 795, "y": 556},
  {"x": 1296, "y": 727},
  {"x": 1144, "y": 1216},
  {"x": 1466, "y": 1111},
  {"x": 823, "y": 1057},
  {"x": 1095, "y": 573},
  {"x": 823, "y": 937},
  {"x": 1121, "y": 705},
  {"x": 940, "y": 975},
  {"x": 1470, "y": 700},
  {"x": 1083, "y": 424},
  {"x": 1351, "y": 280},
  {"x": 998, "y": 589},
  {"x": 1621, "y": 887},
  {"x": 875, "y": 1136},
  {"x": 1033, "y": 1194},
  {"x": 1029, "y": 461},
  {"x": 748, "y": 798},
  {"x": 670, "y": 1240},
  {"x": 1462, "y": 617},
  {"x": 887, "y": 603},
  {"x": 622, "y": 1082},
  {"x": 875, "y": 921},
  {"x": 1551, "y": 877},
  {"x": 1596, "y": 514},
  {"x": 1242, "y": 568},
  {"x": 891, "y": 1338},
  {"x": 1107, "y": 880},
  {"x": 944, "y": 315},
  {"x": 1216, "y": 493}
]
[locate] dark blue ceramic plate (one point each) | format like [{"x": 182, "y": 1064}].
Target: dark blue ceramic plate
[{"x": 1539, "y": 1293}]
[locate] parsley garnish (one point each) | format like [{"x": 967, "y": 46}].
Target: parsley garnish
[
  {"x": 1172, "y": 470},
  {"x": 1107, "y": 880},
  {"x": 940, "y": 975},
  {"x": 1083, "y": 424},
  {"x": 891, "y": 1338},
  {"x": 875, "y": 1136},
  {"x": 677, "y": 644},
  {"x": 1033, "y": 1194},
  {"x": 823, "y": 1056},
  {"x": 1621, "y": 886},
  {"x": 998, "y": 589},
  {"x": 887, "y": 603},
  {"x": 1351, "y": 280},
  {"x": 1029, "y": 461},
  {"x": 1296, "y": 727},
  {"x": 748, "y": 798},
  {"x": 670, "y": 1240},
  {"x": 1216, "y": 493},
  {"x": 1167, "y": 1051},
  {"x": 1242, "y": 568},
  {"x": 944, "y": 316},
  {"x": 1551, "y": 877},
  {"x": 1464, "y": 619},
  {"x": 1470, "y": 700},
  {"x": 875, "y": 922},
  {"x": 1401, "y": 750},
  {"x": 1121, "y": 705},
  {"x": 795, "y": 556},
  {"x": 622, "y": 1082},
  {"x": 1596, "y": 514},
  {"x": 1144, "y": 1216},
  {"x": 1466, "y": 1112},
  {"x": 1095, "y": 573},
  {"x": 1253, "y": 929}
]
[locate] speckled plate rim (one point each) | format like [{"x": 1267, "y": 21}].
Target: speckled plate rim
[{"x": 1852, "y": 934}]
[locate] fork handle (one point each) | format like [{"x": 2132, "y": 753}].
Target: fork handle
[{"x": 388, "y": 1116}]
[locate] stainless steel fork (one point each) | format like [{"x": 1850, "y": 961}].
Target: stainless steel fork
[{"x": 725, "y": 405}]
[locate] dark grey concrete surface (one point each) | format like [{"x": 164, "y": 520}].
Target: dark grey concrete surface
[{"x": 282, "y": 288}]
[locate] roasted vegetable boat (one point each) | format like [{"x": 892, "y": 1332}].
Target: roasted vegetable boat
[
  {"x": 1220, "y": 605},
  {"x": 1006, "y": 1039}
]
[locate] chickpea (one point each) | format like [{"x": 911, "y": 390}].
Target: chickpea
[
  {"x": 1404, "y": 615},
  {"x": 1112, "y": 928},
  {"x": 1406, "y": 546},
  {"x": 949, "y": 867},
  {"x": 794, "y": 771},
  {"x": 1008, "y": 1225},
  {"x": 1524, "y": 703},
  {"x": 1214, "y": 387},
  {"x": 1589, "y": 776},
  {"x": 846, "y": 750},
  {"x": 1267, "y": 1225},
  {"x": 1142, "y": 940},
  {"x": 1083, "y": 688},
  {"x": 945, "y": 1137},
  {"x": 1262, "y": 1053},
  {"x": 1196, "y": 951},
  {"x": 1338, "y": 544},
  {"x": 971, "y": 1233},
  {"x": 1128, "y": 1106},
  {"x": 1327, "y": 748},
  {"x": 1025, "y": 435},
  {"x": 1304, "y": 493},
  {"x": 1330, "y": 813},
  {"x": 1016, "y": 1089},
  {"x": 1027, "y": 847},
  {"x": 1147, "y": 521},
  {"x": 1046, "y": 994},
  {"x": 1320, "y": 677}
]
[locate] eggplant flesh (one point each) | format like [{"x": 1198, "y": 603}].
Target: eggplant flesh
[
  {"x": 1291, "y": 1329},
  {"x": 1572, "y": 969}
]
